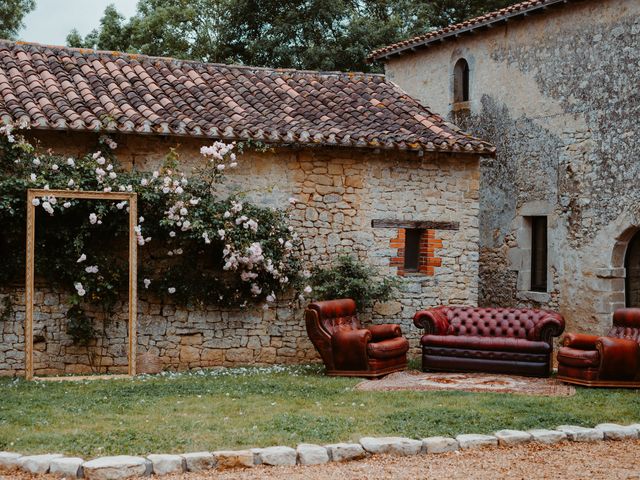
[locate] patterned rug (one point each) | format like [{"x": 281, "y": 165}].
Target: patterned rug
[{"x": 469, "y": 382}]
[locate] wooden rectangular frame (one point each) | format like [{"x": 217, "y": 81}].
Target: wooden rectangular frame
[{"x": 132, "y": 198}]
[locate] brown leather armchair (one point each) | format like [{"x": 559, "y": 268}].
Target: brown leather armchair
[
  {"x": 349, "y": 350},
  {"x": 608, "y": 361}
]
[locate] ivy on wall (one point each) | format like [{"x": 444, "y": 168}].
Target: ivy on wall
[{"x": 198, "y": 244}]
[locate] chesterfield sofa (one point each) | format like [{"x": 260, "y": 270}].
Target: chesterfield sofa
[
  {"x": 348, "y": 349},
  {"x": 494, "y": 340},
  {"x": 604, "y": 361}
]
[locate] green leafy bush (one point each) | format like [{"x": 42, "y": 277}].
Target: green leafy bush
[{"x": 349, "y": 277}]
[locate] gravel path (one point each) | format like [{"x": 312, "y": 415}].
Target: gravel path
[{"x": 569, "y": 461}]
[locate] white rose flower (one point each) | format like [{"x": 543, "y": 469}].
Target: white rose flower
[
  {"x": 171, "y": 290},
  {"x": 93, "y": 218},
  {"x": 308, "y": 289},
  {"x": 82, "y": 258},
  {"x": 35, "y": 202},
  {"x": 146, "y": 282},
  {"x": 112, "y": 175},
  {"x": 66, "y": 204},
  {"x": 54, "y": 167},
  {"x": 33, "y": 177},
  {"x": 71, "y": 162},
  {"x": 36, "y": 161},
  {"x": 71, "y": 183},
  {"x": 172, "y": 234},
  {"x": 144, "y": 182}
]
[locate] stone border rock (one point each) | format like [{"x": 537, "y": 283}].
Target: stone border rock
[{"x": 124, "y": 466}]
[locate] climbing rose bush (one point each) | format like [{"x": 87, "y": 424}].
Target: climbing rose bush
[{"x": 198, "y": 243}]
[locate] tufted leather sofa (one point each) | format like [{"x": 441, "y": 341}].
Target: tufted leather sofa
[
  {"x": 608, "y": 361},
  {"x": 500, "y": 340},
  {"x": 346, "y": 348}
]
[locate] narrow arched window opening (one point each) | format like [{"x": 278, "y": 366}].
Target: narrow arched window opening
[{"x": 461, "y": 81}]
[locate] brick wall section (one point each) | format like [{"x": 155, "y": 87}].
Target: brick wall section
[
  {"x": 427, "y": 252},
  {"x": 339, "y": 191}
]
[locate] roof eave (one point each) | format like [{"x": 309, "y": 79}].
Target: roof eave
[
  {"x": 486, "y": 25},
  {"x": 485, "y": 150}
]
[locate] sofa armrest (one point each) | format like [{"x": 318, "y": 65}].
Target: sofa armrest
[
  {"x": 580, "y": 341},
  {"x": 432, "y": 321},
  {"x": 549, "y": 326},
  {"x": 350, "y": 349},
  {"x": 619, "y": 358},
  {"x": 383, "y": 332}
]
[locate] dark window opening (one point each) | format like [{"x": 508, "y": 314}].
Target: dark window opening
[
  {"x": 461, "y": 81},
  {"x": 632, "y": 266},
  {"x": 539, "y": 254},
  {"x": 412, "y": 249}
]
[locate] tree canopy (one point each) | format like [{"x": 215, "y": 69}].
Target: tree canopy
[
  {"x": 304, "y": 34},
  {"x": 12, "y": 13}
]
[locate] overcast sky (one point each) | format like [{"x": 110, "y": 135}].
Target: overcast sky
[{"x": 52, "y": 20}]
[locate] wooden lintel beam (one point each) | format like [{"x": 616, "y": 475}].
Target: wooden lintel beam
[{"x": 417, "y": 224}]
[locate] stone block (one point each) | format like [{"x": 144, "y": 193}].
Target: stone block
[
  {"x": 166, "y": 464},
  {"x": 388, "y": 308},
  {"x": 547, "y": 437},
  {"x": 9, "y": 460},
  {"x": 115, "y": 468},
  {"x": 233, "y": 459},
  {"x": 439, "y": 444},
  {"x": 472, "y": 440},
  {"x": 37, "y": 463},
  {"x": 309, "y": 454},
  {"x": 391, "y": 445},
  {"x": 512, "y": 437},
  {"x": 198, "y": 461},
  {"x": 277, "y": 456},
  {"x": 68, "y": 467},
  {"x": 340, "y": 452},
  {"x": 613, "y": 431},
  {"x": 635, "y": 426},
  {"x": 581, "y": 434}
]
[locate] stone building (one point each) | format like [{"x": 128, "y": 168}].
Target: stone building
[
  {"x": 554, "y": 86},
  {"x": 374, "y": 171}
]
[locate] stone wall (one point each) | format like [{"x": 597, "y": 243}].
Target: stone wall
[
  {"x": 340, "y": 192},
  {"x": 557, "y": 94}
]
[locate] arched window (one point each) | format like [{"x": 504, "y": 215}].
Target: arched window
[
  {"x": 632, "y": 264},
  {"x": 461, "y": 81}
]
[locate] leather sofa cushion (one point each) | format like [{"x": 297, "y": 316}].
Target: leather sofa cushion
[
  {"x": 485, "y": 355},
  {"x": 504, "y": 344},
  {"x": 578, "y": 358},
  {"x": 390, "y": 348}
]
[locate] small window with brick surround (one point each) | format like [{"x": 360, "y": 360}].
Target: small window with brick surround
[{"x": 415, "y": 251}]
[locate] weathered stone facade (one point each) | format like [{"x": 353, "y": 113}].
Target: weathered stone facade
[
  {"x": 557, "y": 94},
  {"x": 340, "y": 191}
]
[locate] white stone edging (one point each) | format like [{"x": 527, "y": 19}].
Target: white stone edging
[{"x": 125, "y": 466}]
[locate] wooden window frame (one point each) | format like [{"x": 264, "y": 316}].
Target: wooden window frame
[
  {"x": 538, "y": 223},
  {"x": 130, "y": 197}
]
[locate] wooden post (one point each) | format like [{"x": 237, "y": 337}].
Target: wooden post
[
  {"x": 133, "y": 284},
  {"x": 130, "y": 197},
  {"x": 29, "y": 286}
]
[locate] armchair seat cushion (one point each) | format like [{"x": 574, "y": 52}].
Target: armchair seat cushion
[
  {"x": 504, "y": 344},
  {"x": 390, "y": 348},
  {"x": 578, "y": 358}
]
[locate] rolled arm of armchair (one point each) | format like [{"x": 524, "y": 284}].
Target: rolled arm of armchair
[
  {"x": 350, "y": 349},
  {"x": 580, "y": 341},
  {"x": 619, "y": 358},
  {"x": 549, "y": 326},
  {"x": 432, "y": 321},
  {"x": 383, "y": 332}
]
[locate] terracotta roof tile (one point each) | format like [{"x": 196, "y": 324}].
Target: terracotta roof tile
[
  {"x": 452, "y": 31},
  {"x": 86, "y": 90}
]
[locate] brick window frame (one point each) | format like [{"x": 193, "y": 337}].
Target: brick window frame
[{"x": 428, "y": 261}]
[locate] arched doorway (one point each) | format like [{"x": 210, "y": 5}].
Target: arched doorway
[{"x": 632, "y": 266}]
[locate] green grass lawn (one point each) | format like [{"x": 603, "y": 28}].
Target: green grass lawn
[{"x": 229, "y": 409}]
